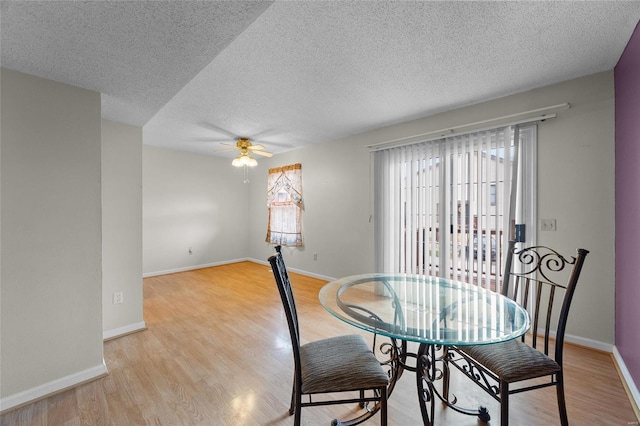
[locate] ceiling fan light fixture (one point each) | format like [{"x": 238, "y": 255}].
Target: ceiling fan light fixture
[{"x": 244, "y": 160}]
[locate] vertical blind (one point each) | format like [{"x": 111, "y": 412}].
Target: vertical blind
[{"x": 442, "y": 206}]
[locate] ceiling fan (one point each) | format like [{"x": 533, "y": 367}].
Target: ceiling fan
[{"x": 246, "y": 148}]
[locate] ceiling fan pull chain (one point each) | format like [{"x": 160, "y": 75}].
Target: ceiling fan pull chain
[{"x": 246, "y": 174}]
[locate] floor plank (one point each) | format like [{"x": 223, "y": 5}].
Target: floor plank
[{"x": 217, "y": 352}]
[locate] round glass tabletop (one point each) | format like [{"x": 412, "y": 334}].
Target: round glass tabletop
[{"x": 424, "y": 309}]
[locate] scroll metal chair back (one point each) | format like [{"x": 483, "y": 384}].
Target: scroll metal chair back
[
  {"x": 536, "y": 278},
  {"x": 334, "y": 365},
  {"x": 534, "y": 281}
]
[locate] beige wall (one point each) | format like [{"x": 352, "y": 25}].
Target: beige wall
[
  {"x": 51, "y": 313},
  {"x": 121, "y": 228},
  {"x": 575, "y": 186},
  {"x": 337, "y": 220},
  {"x": 191, "y": 201}
]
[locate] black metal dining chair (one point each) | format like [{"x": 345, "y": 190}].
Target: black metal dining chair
[
  {"x": 333, "y": 365},
  {"x": 534, "y": 279}
]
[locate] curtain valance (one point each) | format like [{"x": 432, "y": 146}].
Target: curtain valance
[{"x": 287, "y": 179}]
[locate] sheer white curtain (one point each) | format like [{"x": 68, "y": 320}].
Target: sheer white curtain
[
  {"x": 284, "y": 199},
  {"x": 442, "y": 206}
]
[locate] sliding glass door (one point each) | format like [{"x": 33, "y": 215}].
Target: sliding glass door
[{"x": 447, "y": 207}]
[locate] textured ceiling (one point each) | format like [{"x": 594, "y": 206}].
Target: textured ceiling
[
  {"x": 138, "y": 54},
  {"x": 294, "y": 73}
]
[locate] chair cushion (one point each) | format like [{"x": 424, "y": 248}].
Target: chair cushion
[
  {"x": 512, "y": 361},
  {"x": 341, "y": 363}
]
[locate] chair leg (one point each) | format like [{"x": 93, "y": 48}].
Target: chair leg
[
  {"x": 504, "y": 403},
  {"x": 562, "y": 406},
  {"x": 298, "y": 409},
  {"x": 292, "y": 407},
  {"x": 383, "y": 406}
]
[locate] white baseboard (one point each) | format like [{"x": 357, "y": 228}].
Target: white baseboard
[
  {"x": 226, "y": 262},
  {"x": 191, "y": 268},
  {"x": 298, "y": 271},
  {"x": 121, "y": 331},
  {"x": 53, "y": 387},
  {"x": 630, "y": 384},
  {"x": 589, "y": 343}
]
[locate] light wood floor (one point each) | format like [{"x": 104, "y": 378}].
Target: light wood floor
[{"x": 217, "y": 352}]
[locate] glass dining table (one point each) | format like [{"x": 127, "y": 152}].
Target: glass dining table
[{"x": 433, "y": 312}]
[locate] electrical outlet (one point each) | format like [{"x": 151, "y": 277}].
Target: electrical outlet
[
  {"x": 315, "y": 256},
  {"x": 117, "y": 297},
  {"x": 547, "y": 224}
]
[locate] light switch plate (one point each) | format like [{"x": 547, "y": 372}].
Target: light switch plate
[{"x": 548, "y": 225}]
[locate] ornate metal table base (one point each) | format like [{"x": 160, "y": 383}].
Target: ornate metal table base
[
  {"x": 370, "y": 412},
  {"x": 430, "y": 366},
  {"x": 427, "y": 372}
]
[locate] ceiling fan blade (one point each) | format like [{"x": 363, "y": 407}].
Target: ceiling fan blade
[
  {"x": 206, "y": 140},
  {"x": 263, "y": 153},
  {"x": 228, "y": 144},
  {"x": 225, "y": 150},
  {"x": 215, "y": 128},
  {"x": 258, "y": 147}
]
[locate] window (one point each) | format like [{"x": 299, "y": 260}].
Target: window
[
  {"x": 284, "y": 200},
  {"x": 493, "y": 194},
  {"x": 444, "y": 207}
]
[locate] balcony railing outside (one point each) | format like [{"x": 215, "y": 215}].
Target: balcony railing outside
[{"x": 468, "y": 260}]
